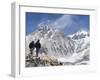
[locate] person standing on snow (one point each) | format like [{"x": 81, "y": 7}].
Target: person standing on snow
[
  {"x": 31, "y": 46},
  {"x": 37, "y": 46}
]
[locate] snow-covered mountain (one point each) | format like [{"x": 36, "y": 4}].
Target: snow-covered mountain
[
  {"x": 73, "y": 48},
  {"x": 82, "y": 47},
  {"x": 79, "y": 34}
]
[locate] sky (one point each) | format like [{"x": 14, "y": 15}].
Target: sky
[{"x": 67, "y": 23}]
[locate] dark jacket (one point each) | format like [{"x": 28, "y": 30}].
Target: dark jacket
[
  {"x": 38, "y": 45},
  {"x": 31, "y": 45}
]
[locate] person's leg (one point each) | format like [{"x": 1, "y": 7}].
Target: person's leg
[
  {"x": 36, "y": 52},
  {"x": 32, "y": 52}
]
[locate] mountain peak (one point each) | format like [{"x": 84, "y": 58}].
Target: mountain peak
[{"x": 81, "y": 33}]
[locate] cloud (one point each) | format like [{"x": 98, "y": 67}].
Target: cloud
[{"x": 63, "y": 22}]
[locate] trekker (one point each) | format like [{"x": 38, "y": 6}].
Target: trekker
[
  {"x": 37, "y": 46},
  {"x": 31, "y": 46}
]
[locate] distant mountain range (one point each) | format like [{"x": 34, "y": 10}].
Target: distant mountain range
[{"x": 73, "y": 49}]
